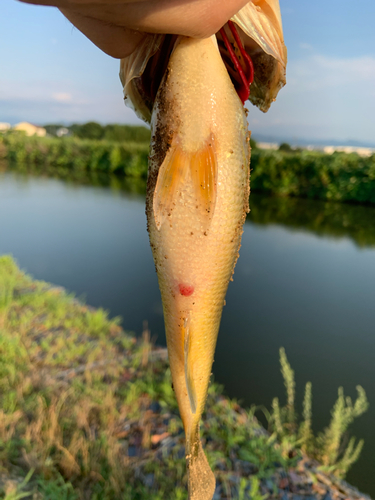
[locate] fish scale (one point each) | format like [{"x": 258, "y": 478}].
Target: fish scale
[
  {"x": 192, "y": 246},
  {"x": 198, "y": 184}
]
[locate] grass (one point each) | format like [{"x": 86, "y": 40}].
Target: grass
[{"x": 88, "y": 412}]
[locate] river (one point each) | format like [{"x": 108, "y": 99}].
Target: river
[{"x": 305, "y": 280}]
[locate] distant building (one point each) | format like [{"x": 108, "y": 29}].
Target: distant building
[
  {"x": 349, "y": 149},
  {"x": 4, "y": 127},
  {"x": 30, "y": 129},
  {"x": 60, "y": 132},
  {"x": 267, "y": 145}
]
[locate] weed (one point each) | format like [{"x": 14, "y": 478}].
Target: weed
[
  {"x": 57, "y": 489},
  {"x": 328, "y": 446},
  {"x": 15, "y": 491}
]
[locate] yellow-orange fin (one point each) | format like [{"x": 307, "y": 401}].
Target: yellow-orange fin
[
  {"x": 171, "y": 176},
  {"x": 261, "y": 21},
  {"x": 189, "y": 380},
  {"x": 201, "y": 480},
  {"x": 203, "y": 170}
]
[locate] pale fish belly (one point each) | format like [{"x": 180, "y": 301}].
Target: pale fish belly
[{"x": 199, "y": 125}]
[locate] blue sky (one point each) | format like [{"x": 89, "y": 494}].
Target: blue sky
[{"x": 49, "y": 72}]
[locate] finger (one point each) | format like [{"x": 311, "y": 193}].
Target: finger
[
  {"x": 72, "y": 3},
  {"x": 195, "y": 18},
  {"x": 116, "y": 41},
  {"x": 115, "y": 25}
]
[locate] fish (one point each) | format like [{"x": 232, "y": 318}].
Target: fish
[{"x": 192, "y": 92}]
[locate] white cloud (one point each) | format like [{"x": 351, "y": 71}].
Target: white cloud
[
  {"x": 44, "y": 92},
  {"x": 39, "y": 90},
  {"x": 325, "y": 98},
  {"x": 43, "y": 102},
  {"x": 305, "y": 46},
  {"x": 318, "y": 71},
  {"x": 62, "y": 96}
]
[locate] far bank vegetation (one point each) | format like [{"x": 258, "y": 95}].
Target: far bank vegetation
[{"x": 123, "y": 150}]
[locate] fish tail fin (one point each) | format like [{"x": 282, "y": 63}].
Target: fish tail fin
[
  {"x": 201, "y": 479},
  {"x": 173, "y": 173}
]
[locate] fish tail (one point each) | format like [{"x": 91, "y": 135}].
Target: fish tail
[{"x": 201, "y": 479}]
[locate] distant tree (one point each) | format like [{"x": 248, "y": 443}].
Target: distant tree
[
  {"x": 284, "y": 146},
  {"x": 253, "y": 144},
  {"x": 111, "y": 132},
  {"x": 90, "y": 130},
  {"x": 127, "y": 133}
]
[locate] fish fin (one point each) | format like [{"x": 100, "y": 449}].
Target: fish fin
[
  {"x": 262, "y": 23},
  {"x": 203, "y": 170},
  {"x": 201, "y": 479},
  {"x": 189, "y": 380},
  {"x": 171, "y": 176},
  {"x": 173, "y": 173}
]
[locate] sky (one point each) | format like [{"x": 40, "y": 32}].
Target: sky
[{"x": 50, "y": 73}]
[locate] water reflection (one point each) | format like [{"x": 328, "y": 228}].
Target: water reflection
[
  {"x": 135, "y": 185},
  {"x": 323, "y": 218},
  {"x": 320, "y": 217}
]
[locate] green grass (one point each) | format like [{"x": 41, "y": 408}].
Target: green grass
[{"x": 76, "y": 396}]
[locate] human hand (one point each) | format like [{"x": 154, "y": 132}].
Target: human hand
[{"x": 118, "y": 26}]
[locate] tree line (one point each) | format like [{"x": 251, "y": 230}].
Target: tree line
[{"x": 96, "y": 131}]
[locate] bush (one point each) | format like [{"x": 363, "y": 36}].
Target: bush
[
  {"x": 314, "y": 175},
  {"x": 111, "y": 132},
  {"x": 328, "y": 447},
  {"x": 284, "y": 146},
  {"x": 76, "y": 155},
  {"x": 305, "y": 174}
]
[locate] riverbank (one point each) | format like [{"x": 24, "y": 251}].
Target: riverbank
[
  {"x": 88, "y": 411},
  {"x": 306, "y": 174}
]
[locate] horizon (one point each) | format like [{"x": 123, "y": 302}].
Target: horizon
[
  {"x": 261, "y": 138},
  {"x": 53, "y": 74}
]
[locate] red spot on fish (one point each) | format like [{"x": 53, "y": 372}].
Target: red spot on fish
[{"x": 186, "y": 290}]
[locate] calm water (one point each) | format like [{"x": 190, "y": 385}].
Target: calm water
[{"x": 305, "y": 280}]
